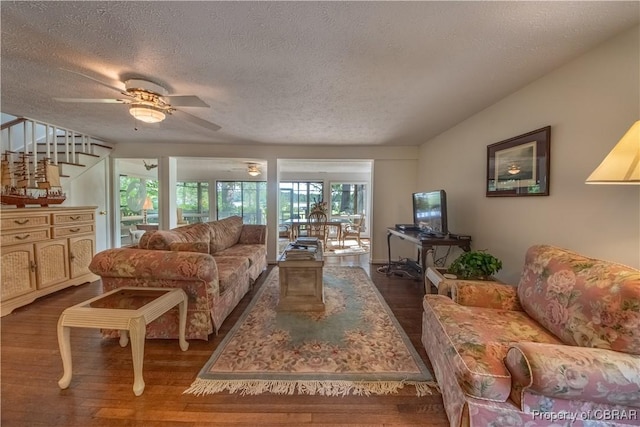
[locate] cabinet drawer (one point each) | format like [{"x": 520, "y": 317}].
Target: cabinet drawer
[
  {"x": 73, "y": 217},
  {"x": 19, "y": 222},
  {"x": 73, "y": 230},
  {"x": 25, "y": 236}
]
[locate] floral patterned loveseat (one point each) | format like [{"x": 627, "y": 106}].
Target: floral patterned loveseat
[
  {"x": 215, "y": 263},
  {"x": 561, "y": 348}
]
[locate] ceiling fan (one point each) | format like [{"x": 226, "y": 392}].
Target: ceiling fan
[
  {"x": 251, "y": 167},
  {"x": 149, "y": 102}
]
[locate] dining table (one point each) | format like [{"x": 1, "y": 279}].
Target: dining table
[{"x": 298, "y": 223}]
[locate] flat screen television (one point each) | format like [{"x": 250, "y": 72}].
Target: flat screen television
[{"x": 430, "y": 211}]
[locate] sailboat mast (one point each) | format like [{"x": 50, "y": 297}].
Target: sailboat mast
[{"x": 7, "y": 173}]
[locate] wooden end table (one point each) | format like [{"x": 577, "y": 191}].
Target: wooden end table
[
  {"x": 98, "y": 312},
  {"x": 301, "y": 283}
]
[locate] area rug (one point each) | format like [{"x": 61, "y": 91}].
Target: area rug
[
  {"x": 347, "y": 248},
  {"x": 355, "y": 346}
]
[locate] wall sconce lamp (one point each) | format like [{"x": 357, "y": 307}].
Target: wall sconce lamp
[
  {"x": 622, "y": 164},
  {"x": 145, "y": 207}
]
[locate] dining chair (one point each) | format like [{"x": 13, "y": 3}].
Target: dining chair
[
  {"x": 353, "y": 229},
  {"x": 317, "y": 226}
]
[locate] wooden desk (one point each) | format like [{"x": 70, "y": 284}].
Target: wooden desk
[{"x": 424, "y": 243}]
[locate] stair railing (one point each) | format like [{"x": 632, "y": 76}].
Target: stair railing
[
  {"x": 43, "y": 140},
  {"x": 36, "y": 137}
]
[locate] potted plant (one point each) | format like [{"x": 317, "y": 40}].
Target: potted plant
[
  {"x": 479, "y": 265},
  {"x": 319, "y": 207}
]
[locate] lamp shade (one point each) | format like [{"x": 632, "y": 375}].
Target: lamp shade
[
  {"x": 622, "y": 164},
  {"x": 147, "y": 204}
]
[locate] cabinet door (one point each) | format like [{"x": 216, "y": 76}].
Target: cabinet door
[
  {"x": 52, "y": 259},
  {"x": 81, "y": 252},
  {"x": 18, "y": 271}
]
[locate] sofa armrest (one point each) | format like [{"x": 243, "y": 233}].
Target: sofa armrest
[
  {"x": 142, "y": 263},
  {"x": 253, "y": 234},
  {"x": 485, "y": 294},
  {"x": 574, "y": 373}
]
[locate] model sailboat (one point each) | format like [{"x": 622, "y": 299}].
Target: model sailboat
[{"x": 21, "y": 188}]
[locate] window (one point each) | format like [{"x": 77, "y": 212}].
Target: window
[
  {"x": 247, "y": 199},
  {"x": 348, "y": 199},
  {"x": 134, "y": 192},
  {"x": 296, "y": 198},
  {"x": 193, "y": 199}
]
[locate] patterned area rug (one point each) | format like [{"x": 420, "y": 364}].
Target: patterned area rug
[{"x": 355, "y": 346}]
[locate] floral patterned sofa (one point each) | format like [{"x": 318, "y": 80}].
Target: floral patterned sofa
[
  {"x": 561, "y": 348},
  {"x": 215, "y": 263}
]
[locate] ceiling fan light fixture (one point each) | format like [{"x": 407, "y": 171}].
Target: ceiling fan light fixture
[
  {"x": 147, "y": 113},
  {"x": 253, "y": 170}
]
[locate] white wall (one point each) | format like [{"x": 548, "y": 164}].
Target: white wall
[
  {"x": 589, "y": 104},
  {"x": 393, "y": 182},
  {"x": 92, "y": 189}
]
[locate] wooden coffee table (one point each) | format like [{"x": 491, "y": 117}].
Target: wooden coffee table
[
  {"x": 98, "y": 312},
  {"x": 301, "y": 282}
]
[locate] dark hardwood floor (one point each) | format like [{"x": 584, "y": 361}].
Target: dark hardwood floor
[{"x": 101, "y": 394}]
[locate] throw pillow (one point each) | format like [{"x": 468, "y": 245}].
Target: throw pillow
[{"x": 225, "y": 233}]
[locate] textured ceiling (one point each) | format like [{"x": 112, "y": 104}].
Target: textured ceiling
[{"x": 357, "y": 73}]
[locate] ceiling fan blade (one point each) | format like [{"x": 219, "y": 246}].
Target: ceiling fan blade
[
  {"x": 119, "y": 89},
  {"x": 94, "y": 100},
  {"x": 196, "y": 120},
  {"x": 185, "y": 101}
]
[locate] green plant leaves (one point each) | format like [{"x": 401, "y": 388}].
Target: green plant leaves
[{"x": 475, "y": 264}]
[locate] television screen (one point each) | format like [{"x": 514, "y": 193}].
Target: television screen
[{"x": 430, "y": 211}]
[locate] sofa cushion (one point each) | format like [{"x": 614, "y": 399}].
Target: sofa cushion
[
  {"x": 254, "y": 253},
  {"x": 194, "y": 232},
  {"x": 477, "y": 340},
  {"x": 224, "y": 233},
  {"x": 253, "y": 233},
  {"x": 143, "y": 243},
  {"x": 162, "y": 239},
  {"x": 202, "y": 247},
  {"x": 573, "y": 373},
  {"x": 231, "y": 271},
  {"x": 584, "y": 301}
]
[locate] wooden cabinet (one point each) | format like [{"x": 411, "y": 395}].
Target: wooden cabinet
[
  {"x": 18, "y": 272},
  {"x": 44, "y": 250}
]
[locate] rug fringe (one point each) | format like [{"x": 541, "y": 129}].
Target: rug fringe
[{"x": 324, "y": 388}]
